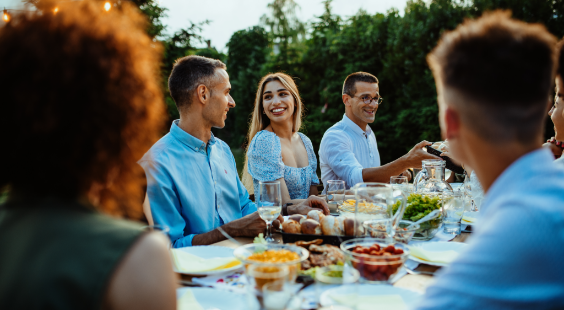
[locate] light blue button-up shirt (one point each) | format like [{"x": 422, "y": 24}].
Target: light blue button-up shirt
[
  {"x": 345, "y": 150},
  {"x": 515, "y": 258},
  {"x": 193, "y": 188}
]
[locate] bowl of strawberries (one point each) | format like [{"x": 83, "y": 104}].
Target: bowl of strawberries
[{"x": 376, "y": 261}]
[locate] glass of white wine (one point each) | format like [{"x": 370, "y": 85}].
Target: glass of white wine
[{"x": 269, "y": 205}]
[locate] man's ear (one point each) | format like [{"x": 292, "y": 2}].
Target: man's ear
[
  {"x": 452, "y": 123},
  {"x": 202, "y": 94},
  {"x": 346, "y": 99}
]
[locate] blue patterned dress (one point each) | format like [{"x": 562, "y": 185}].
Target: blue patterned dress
[{"x": 265, "y": 164}]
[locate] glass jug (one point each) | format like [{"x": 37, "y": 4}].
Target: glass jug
[
  {"x": 376, "y": 201},
  {"x": 431, "y": 178}
]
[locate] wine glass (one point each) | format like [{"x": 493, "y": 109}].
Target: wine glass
[
  {"x": 269, "y": 205},
  {"x": 335, "y": 194},
  {"x": 398, "y": 180}
]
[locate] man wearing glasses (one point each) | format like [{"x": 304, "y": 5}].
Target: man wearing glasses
[{"x": 349, "y": 151}]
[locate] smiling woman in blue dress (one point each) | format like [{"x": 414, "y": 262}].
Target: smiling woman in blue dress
[{"x": 277, "y": 151}]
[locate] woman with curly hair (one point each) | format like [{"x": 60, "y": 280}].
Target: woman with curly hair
[
  {"x": 277, "y": 151},
  {"x": 81, "y": 103}
]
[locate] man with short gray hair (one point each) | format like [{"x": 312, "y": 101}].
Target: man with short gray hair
[{"x": 192, "y": 181}]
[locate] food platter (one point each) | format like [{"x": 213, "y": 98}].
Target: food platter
[{"x": 333, "y": 240}]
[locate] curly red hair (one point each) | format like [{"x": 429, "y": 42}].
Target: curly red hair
[{"x": 81, "y": 103}]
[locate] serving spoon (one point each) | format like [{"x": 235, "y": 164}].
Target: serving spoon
[{"x": 426, "y": 218}]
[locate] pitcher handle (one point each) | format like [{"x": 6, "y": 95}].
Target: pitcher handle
[
  {"x": 418, "y": 178},
  {"x": 396, "y": 218}
]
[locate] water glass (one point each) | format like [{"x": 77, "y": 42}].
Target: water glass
[
  {"x": 398, "y": 180},
  {"x": 335, "y": 194},
  {"x": 276, "y": 295},
  {"x": 269, "y": 205},
  {"x": 453, "y": 210}
]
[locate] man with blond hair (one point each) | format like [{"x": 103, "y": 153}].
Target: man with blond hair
[{"x": 494, "y": 77}]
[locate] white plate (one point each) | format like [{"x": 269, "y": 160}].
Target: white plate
[
  {"x": 209, "y": 251},
  {"x": 409, "y": 297},
  {"x": 215, "y": 299},
  {"x": 438, "y": 246}
]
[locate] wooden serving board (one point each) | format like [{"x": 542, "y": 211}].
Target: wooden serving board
[{"x": 333, "y": 240}]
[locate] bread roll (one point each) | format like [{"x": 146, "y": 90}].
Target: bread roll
[
  {"x": 350, "y": 229},
  {"x": 311, "y": 227},
  {"x": 315, "y": 215},
  {"x": 332, "y": 225},
  {"x": 292, "y": 227},
  {"x": 297, "y": 217}
]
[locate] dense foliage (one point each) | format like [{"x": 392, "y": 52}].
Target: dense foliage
[{"x": 391, "y": 46}]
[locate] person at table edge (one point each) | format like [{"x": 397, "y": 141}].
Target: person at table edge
[
  {"x": 348, "y": 149},
  {"x": 494, "y": 78},
  {"x": 192, "y": 181}
]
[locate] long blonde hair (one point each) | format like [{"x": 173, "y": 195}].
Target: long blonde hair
[{"x": 259, "y": 120}]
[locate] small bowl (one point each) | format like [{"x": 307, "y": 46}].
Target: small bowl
[
  {"x": 243, "y": 252},
  {"x": 374, "y": 269},
  {"x": 259, "y": 275},
  {"x": 348, "y": 275},
  {"x": 377, "y": 229}
]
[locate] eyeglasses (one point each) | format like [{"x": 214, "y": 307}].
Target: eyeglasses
[{"x": 367, "y": 99}]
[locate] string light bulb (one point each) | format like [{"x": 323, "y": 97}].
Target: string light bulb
[
  {"x": 6, "y": 16},
  {"x": 107, "y": 6},
  {"x": 56, "y": 10}
]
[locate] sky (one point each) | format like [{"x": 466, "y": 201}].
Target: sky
[{"x": 228, "y": 16}]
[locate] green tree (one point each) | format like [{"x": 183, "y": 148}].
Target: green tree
[
  {"x": 248, "y": 50},
  {"x": 286, "y": 33}
]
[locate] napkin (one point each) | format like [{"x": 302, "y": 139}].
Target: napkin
[
  {"x": 443, "y": 257},
  {"x": 187, "y": 262},
  {"x": 188, "y": 302},
  {"x": 364, "y": 302}
]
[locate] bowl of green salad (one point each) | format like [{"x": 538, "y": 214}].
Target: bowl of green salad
[{"x": 419, "y": 205}]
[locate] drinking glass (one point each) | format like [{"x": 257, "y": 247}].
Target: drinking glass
[
  {"x": 276, "y": 295},
  {"x": 269, "y": 205},
  {"x": 335, "y": 194},
  {"x": 398, "y": 180},
  {"x": 453, "y": 210}
]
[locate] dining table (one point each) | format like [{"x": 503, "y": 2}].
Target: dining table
[{"x": 415, "y": 282}]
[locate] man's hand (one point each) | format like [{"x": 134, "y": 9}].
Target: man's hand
[
  {"x": 414, "y": 157},
  {"x": 312, "y": 203},
  {"x": 407, "y": 174},
  {"x": 554, "y": 146},
  {"x": 249, "y": 226}
]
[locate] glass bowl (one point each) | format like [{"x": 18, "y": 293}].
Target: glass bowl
[
  {"x": 375, "y": 269},
  {"x": 377, "y": 229},
  {"x": 243, "y": 253},
  {"x": 260, "y": 275}
]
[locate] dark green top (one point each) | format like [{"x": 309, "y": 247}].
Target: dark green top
[{"x": 57, "y": 255}]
